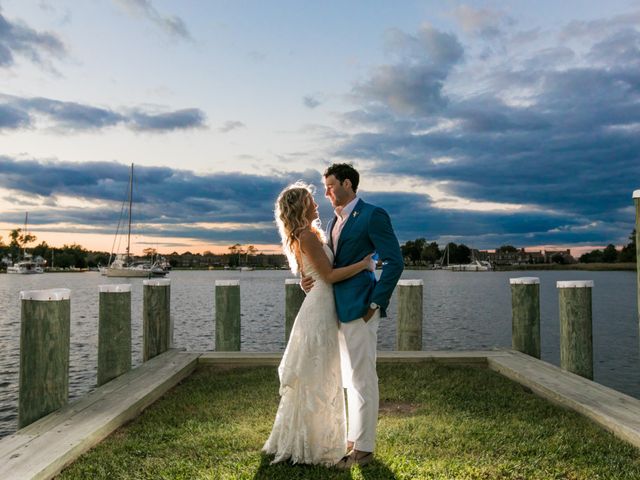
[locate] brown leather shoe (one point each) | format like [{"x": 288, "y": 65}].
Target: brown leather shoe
[{"x": 355, "y": 457}]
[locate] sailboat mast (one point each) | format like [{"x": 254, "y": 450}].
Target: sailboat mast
[
  {"x": 26, "y": 221},
  {"x": 130, "y": 203}
]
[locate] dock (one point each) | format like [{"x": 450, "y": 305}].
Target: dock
[{"x": 42, "y": 449}]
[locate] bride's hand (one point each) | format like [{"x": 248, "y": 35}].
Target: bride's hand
[{"x": 369, "y": 263}]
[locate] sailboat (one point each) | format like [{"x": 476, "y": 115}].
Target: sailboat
[
  {"x": 475, "y": 265},
  {"x": 121, "y": 265},
  {"x": 27, "y": 265}
]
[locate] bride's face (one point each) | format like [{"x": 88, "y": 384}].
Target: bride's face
[{"x": 312, "y": 211}]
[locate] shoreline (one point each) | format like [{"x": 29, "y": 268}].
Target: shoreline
[{"x": 597, "y": 267}]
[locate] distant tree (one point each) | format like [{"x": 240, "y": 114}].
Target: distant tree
[
  {"x": 594, "y": 256},
  {"x": 628, "y": 252},
  {"x": 234, "y": 254},
  {"x": 459, "y": 254},
  {"x": 150, "y": 252},
  {"x": 610, "y": 254},
  {"x": 507, "y": 249},
  {"x": 412, "y": 250},
  {"x": 431, "y": 253}
]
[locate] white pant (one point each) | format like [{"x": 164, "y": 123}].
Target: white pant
[{"x": 358, "y": 346}]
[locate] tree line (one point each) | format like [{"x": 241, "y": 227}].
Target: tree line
[{"x": 611, "y": 255}]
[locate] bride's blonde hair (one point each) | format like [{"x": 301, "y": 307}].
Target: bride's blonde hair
[{"x": 292, "y": 206}]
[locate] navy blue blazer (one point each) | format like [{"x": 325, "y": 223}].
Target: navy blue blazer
[{"x": 367, "y": 230}]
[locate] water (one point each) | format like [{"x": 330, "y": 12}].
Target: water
[{"x": 463, "y": 311}]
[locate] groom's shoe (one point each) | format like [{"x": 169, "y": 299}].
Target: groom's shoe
[{"x": 355, "y": 457}]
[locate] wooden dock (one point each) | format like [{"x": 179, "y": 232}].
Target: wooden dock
[{"x": 44, "y": 448}]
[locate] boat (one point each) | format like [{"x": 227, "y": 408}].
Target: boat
[
  {"x": 247, "y": 269},
  {"x": 122, "y": 265},
  {"x": 474, "y": 266},
  {"x": 28, "y": 265},
  {"x": 25, "y": 267}
]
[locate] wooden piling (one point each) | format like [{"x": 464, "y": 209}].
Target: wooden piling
[
  {"x": 114, "y": 331},
  {"x": 576, "y": 338},
  {"x": 409, "y": 330},
  {"x": 525, "y": 315},
  {"x": 156, "y": 317},
  {"x": 44, "y": 353},
  {"x": 293, "y": 298},
  {"x": 636, "y": 200},
  {"x": 227, "y": 315}
]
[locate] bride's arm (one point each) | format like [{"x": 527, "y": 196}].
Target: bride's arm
[{"x": 312, "y": 247}]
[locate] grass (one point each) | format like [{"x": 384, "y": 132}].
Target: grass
[{"x": 436, "y": 422}]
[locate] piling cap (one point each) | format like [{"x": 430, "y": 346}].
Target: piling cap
[
  {"x": 575, "y": 284},
  {"x": 524, "y": 281},
  {"x": 157, "y": 282},
  {"x": 410, "y": 283},
  {"x": 636, "y": 194},
  {"x": 292, "y": 281},
  {"x": 51, "y": 295},
  {"x": 227, "y": 283},
  {"x": 115, "y": 288}
]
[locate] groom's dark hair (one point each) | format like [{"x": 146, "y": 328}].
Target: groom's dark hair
[{"x": 342, "y": 171}]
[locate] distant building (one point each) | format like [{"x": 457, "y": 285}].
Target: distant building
[{"x": 522, "y": 257}]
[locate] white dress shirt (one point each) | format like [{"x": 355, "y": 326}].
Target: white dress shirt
[{"x": 342, "y": 215}]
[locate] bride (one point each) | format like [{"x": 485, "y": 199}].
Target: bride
[{"x": 310, "y": 422}]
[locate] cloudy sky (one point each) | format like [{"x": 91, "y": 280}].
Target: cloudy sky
[{"x": 487, "y": 123}]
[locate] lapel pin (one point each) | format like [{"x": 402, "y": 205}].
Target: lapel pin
[{"x": 355, "y": 214}]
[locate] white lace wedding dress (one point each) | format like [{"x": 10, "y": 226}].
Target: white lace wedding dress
[{"x": 310, "y": 422}]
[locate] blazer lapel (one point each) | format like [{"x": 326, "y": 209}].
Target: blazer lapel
[
  {"x": 330, "y": 226},
  {"x": 347, "y": 226}
]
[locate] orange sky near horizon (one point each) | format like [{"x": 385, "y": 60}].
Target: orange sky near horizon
[{"x": 103, "y": 242}]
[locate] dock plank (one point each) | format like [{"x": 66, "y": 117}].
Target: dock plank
[
  {"x": 45, "y": 447},
  {"x": 472, "y": 357},
  {"x": 615, "y": 411}
]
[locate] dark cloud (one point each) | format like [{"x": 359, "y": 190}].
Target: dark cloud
[
  {"x": 554, "y": 130},
  {"x": 16, "y": 113},
  {"x": 176, "y": 201},
  {"x": 177, "y": 120},
  {"x": 12, "y": 118},
  {"x": 163, "y": 196},
  {"x": 18, "y": 39},
  {"x": 171, "y": 24}
]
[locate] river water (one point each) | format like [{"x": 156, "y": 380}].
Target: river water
[{"x": 462, "y": 311}]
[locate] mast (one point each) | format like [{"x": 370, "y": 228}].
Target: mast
[
  {"x": 24, "y": 245},
  {"x": 130, "y": 203}
]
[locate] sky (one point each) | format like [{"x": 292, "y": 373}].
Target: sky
[{"x": 484, "y": 123}]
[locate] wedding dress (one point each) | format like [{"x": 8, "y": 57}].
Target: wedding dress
[{"x": 310, "y": 425}]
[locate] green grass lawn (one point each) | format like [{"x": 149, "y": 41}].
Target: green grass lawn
[{"x": 435, "y": 422}]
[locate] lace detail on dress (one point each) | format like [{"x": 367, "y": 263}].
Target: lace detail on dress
[{"x": 310, "y": 422}]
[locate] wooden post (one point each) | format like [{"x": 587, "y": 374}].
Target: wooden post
[
  {"x": 576, "y": 339},
  {"x": 114, "y": 331},
  {"x": 525, "y": 315},
  {"x": 293, "y": 298},
  {"x": 156, "y": 317},
  {"x": 409, "y": 331},
  {"x": 228, "y": 315},
  {"x": 636, "y": 200},
  {"x": 44, "y": 353}
]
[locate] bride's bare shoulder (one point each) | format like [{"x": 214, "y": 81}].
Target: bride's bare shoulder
[{"x": 309, "y": 240}]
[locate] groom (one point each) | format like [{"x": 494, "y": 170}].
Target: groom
[{"x": 356, "y": 230}]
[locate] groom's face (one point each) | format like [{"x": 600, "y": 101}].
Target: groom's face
[{"x": 339, "y": 194}]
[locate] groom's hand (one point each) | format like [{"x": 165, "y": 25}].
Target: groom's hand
[
  {"x": 367, "y": 316},
  {"x": 306, "y": 283}
]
